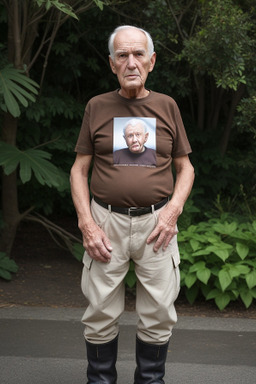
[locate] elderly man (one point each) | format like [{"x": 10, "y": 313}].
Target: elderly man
[
  {"x": 135, "y": 136},
  {"x": 132, "y": 216}
]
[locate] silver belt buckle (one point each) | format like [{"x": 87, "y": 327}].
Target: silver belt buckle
[{"x": 131, "y": 209}]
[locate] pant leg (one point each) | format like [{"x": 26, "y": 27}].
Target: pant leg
[
  {"x": 158, "y": 280},
  {"x": 158, "y": 284},
  {"x": 102, "y": 283}
]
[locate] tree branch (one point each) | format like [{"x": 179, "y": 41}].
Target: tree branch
[
  {"x": 193, "y": 25},
  {"x": 185, "y": 10},
  {"x": 24, "y": 22},
  {"x": 16, "y": 35},
  {"x": 43, "y": 42},
  {"x": 55, "y": 230},
  {"x": 5, "y": 2},
  {"x": 52, "y": 38},
  {"x": 175, "y": 18},
  {"x": 228, "y": 128}
]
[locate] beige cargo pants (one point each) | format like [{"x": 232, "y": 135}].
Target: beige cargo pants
[{"x": 158, "y": 280}]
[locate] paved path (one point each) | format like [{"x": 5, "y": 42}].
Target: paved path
[{"x": 45, "y": 346}]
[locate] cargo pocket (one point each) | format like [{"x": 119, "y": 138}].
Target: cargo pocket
[{"x": 87, "y": 261}]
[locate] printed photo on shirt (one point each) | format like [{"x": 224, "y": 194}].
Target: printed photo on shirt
[{"x": 134, "y": 141}]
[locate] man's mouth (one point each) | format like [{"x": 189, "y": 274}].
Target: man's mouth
[{"x": 131, "y": 76}]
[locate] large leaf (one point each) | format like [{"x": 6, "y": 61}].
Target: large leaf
[
  {"x": 251, "y": 279},
  {"x": 242, "y": 250},
  {"x": 204, "y": 275},
  {"x": 78, "y": 251},
  {"x": 190, "y": 280},
  {"x": 221, "y": 250},
  {"x": 247, "y": 298},
  {"x": 191, "y": 294},
  {"x": 16, "y": 89},
  {"x": 222, "y": 300},
  {"x": 31, "y": 160},
  {"x": 224, "y": 279}
]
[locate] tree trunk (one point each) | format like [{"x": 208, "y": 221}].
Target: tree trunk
[
  {"x": 201, "y": 104},
  {"x": 228, "y": 128},
  {"x": 11, "y": 214},
  {"x": 216, "y": 110}
]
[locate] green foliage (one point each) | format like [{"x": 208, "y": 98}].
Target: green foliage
[
  {"x": 55, "y": 120},
  {"x": 7, "y": 266},
  {"x": 245, "y": 120},
  {"x": 190, "y": 211},
  {"x": 218, "y": 261},
  {"x": 99, "y": 4},
  {"x": 60, "y": 5},
  {"x": 232, "y": 177},
  {"x": 221, "y": 45},
  {"x": 78, "y": 251},
  {"x": 130, "y": 278},
  {"x": 31, "y": 160},
  {"x": 16, "y": 88},
  {"x": 50, "y": 108}
]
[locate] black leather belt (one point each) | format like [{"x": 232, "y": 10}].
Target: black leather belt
[{"x": 132, "y": 211}]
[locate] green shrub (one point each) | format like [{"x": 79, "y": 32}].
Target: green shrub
[
  {"x": 218, "y": 260},
  {"x": 7, "y": 266}
]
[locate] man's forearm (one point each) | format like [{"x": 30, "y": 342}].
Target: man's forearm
[
  {"x": 80, "y": 189},
  {"x": 81, "y": 199},
  {"x": 183, "y": 185}
]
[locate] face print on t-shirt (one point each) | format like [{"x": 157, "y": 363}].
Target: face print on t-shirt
[{"x": 134, "y": 141}]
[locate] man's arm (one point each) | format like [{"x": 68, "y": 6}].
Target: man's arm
[
  {"x": 167, "y": 220},
  {"x": 95, "y": 241}
]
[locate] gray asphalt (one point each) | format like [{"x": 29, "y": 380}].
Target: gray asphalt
[{"x": 46, "y": 346}]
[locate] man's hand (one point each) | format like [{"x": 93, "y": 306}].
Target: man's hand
[
  {"x": 96, "y": 243},
  {"x": 167, "y": 220},
  {"x": 166, "y": 227}
]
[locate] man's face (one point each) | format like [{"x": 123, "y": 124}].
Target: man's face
[
  {"x": 135, "y": 138},
  {"x": 132, "y": 62}
]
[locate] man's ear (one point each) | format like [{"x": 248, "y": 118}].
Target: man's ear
[
  {"x": 146, "y": 136},
  {"x": 152, "y": 62},
  {"x": 112, "y": 65}
]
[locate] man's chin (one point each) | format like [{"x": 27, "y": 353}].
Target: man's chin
[
  {"x": 133, "y": 84},
  {"x": 135, "y": 151}
]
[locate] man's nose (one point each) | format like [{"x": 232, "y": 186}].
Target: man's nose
[{"x": 131, "y": 61}]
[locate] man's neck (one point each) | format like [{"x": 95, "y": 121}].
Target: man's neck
[{"x": 134, "y": 93}]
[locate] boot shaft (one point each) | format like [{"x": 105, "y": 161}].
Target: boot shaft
[
  {"x": 150, "y": 360},
  {"x": 102, "y": 362}
]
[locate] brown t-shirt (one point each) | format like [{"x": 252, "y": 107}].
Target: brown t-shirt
[{"x": 102, "y": 133}]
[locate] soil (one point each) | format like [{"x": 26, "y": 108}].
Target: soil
[{"x": 50, "y": 276}]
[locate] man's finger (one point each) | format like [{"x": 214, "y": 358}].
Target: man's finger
[{"x": 152, "y": 236}]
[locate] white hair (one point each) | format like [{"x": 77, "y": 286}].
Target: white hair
[
  {"x": 150, "y": 44},
  {"x": 134, "y": 122}
]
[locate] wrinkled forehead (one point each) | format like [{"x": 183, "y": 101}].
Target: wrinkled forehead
[
  {"x": 128, "y": 39},
  {"x": 135, "y": 128}
]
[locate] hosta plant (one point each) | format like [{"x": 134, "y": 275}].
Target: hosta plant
[{"x": 218, "y": 261}]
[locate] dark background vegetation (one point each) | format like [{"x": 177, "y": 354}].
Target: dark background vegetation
[{"x": 205, "y": 60}]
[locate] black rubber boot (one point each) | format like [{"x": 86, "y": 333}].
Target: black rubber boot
[
  {"x": 150, "y": 360},
  {"x": 102, "y": 362}
]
